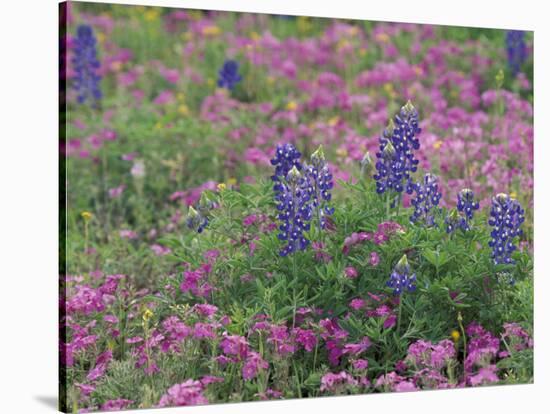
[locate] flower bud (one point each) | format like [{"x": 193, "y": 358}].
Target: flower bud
[
  {"x": 409, "y": 108},
  {"x": 402, "y": 264},
  {"x": 366, "y": 164},
  {"x": 389, "y": 151},
  {"x": 318, "y": 158},
  {"x": 293, "y": 175}
]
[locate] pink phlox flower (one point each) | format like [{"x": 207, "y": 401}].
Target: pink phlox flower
[
  {"x": 187, "y": 393},
  {"x": 116, "y": 405},
  {"x": 332, "y": 381},
  {"x": 254, "y": 363},
  {"x": 306, "y": 338},
  {"x": 234, "y": 345}
]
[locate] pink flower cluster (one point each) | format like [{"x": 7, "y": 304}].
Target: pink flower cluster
[
  {"x": 382, "y": 234},
  {"x": 190, "y": 392}
]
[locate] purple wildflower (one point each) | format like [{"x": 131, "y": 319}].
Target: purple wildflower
[
  {"x": 401, "y": 278},
  {"x": 426, "y": 200},
  {"x": 189, "y": 392},
  {"x": 507, "y": 215}
]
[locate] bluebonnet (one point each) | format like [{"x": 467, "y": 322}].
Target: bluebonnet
[
  {"x": 397, "y": 162},
  {"x": 466, "y": 203},
  {"x": 228, "y": 76},
  {"x": 320, "y": 185},
  {"x": 196, "y": 220},
  {"x": 516, "y": 50},
  {"x": 506, "y": 217},
  {"x": 464, "y": 213},
  {"x": 293, "y": 204},
  {"x": 426, "y": 200},
  {"x": 366, "y": 164},
  {"x": 405, "y": 140},
  {"x": 286, "y": 157},
  {"x": 454, "y": 221},
  {"x": 86, "y": 65},
  {"x": 401, "y": 278},
  {"x": 388, "y": 172}
]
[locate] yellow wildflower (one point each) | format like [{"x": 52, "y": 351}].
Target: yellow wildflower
[
  {"x": 342, "y": 152},
  {"x": 342, "y": 44},
  {"x": 194, "y": 14},
  {"x": 211, "y": 31},
  {"x": 86, "y": 215},
  {"x": 353, "y": 30},
  {"x": 333, "y": 121},
  {"x": 383, "y": 37},
  {"x": 183, "y": 110},
  {"x": 437, "y": 144},
  {"x": 232, "y": 181},
  {"x": 221, "y": 187},
  {"x": 291, "y": 106},
  {"x": 151, "y": 15},
  {"x": 147, "y": 314},
  {"x": 116, "y": 66},
  {"x": 100, "y": 37},
  {"x": 455, "y": 335}
]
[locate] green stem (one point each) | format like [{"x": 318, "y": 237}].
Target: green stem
[
  {"x": 86, "y": 236},
  {"x": 399, "y": 314},
  {"x": 459, "y": 319},
  {"x": 315, "y": 355},
  {"x": 294, "y": 275},
  {"x": 398, "y": 205},
  {"x": 388, "y": 205}
]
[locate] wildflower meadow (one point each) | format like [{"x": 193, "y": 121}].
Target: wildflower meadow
[{"x": 262, "y": 207}]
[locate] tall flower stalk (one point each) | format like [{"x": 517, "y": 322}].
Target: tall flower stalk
[
  {"x": 402, "y": 279},
  {"x": 516, "y": 50},
  {"x": 462, "y": 216},
  {"x": 426, "y": 200},
  {"x": 86, "y": 65},
  {"x": 506, "y": 217},
  {"x": 229, "y": 76},
  {"x": 396, "y": 156},
  {"x": 294, "y": 211},
  {"x": 320, "y": 185}
]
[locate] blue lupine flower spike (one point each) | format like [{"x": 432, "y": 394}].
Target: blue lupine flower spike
[
  {"x": 86, "y": 65},
  {"x": 401, "y": 278},
  {"x": 229, "y": 76},
  {"x": 426, "y": 201},
  {"x": 396, "y": 160},
  {"x": 516, "y": 50},
  {"x": 320, "y": 185},
  {"x": 293, "y": 204},
  {"x": 286, "y": 157},
  {"x": 462, "y": 216},
  {"x": 506, "y": 217}
]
